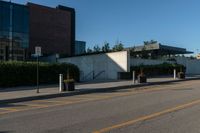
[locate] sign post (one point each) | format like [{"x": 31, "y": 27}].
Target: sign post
[
  {"x": 60, "y": 82},
  {"x": 38, "y": 53},
  {"x": 174, "y": 73},
  {"x": 134, "y": 77}
]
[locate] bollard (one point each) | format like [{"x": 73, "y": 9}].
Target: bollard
[
  {"x": 134, "y": 77},
  {"x": 174, "y": 73},
  {"x": 61, "y": 82}
]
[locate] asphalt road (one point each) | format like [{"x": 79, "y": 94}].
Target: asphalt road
[{"x": 170, "y": 108}]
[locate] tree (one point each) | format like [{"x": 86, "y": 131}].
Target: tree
[
  {"x": 192, "y": 57},
  {"x": 96, "y": 49},
  {"x": 146, "y": 42},
  {"x": 144, "y": 53},
  {"x": 132, "y": 52},
  {"x": 153, "y": 42},
  {"x": 106, "y": 47},
  {"x": 150, "y": 42},
  {"x": 89, "y": 50},
  {"x": 118, "y": 47}
]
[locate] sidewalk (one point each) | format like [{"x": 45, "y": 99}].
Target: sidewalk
[{"x": 19, "y": 94}]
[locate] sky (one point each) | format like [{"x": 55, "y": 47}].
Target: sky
[{"x": 170, "y": 22}]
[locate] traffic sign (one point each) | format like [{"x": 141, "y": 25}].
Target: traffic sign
[{"x": 38, "y": 51}]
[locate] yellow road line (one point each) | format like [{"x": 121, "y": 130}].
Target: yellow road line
[
  {"x": 52, "y": 105},
  {"x": 60, "y": 103},
  {"x": 51, "y": 101},
  {"x": 99, "y": 96},
  {"x": 91, "y": 96},
  {"x": 69, "y": 99},
  {"x": 35, "y": 105},
  {"x": 9, "y": 109},
  {"x": 1, "y": 113},
  {"x": 94, "y": 97},
  {"x": 151, "y": 116},
  {"x": 140, "y": 91}
]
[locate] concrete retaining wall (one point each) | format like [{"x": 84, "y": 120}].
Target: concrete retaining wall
[
  {"x": 106, "y": 66},
  {"x": 137, "y": 62},
  {"x": 101, "y": 66}
]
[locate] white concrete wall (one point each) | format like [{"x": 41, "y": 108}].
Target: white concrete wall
[
  {"x": 108, "y": 64},
  {"x": 192, "y": 65},
  {"x": 137, "y": 61}
]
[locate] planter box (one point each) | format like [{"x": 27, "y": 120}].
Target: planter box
[
  {"x": 181, "y": 75},
  {"x": 142, "y": 79},
  {"x": 69, "y": 86}
]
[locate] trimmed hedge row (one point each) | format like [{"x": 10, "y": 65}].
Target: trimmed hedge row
[
  {"x": 155, "y": 70},
  {"x": 25, "y": 73}
]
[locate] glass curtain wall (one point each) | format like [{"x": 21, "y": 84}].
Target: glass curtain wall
[{"x": 14, "y": 31}]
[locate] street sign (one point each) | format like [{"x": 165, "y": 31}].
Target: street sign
[{"x": 38, "y": 51}]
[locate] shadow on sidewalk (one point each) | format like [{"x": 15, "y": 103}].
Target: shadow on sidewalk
[
  {"x": 86, "y": 90},
  {"x": 23, "y": 88},
  {"x": 43, "y": 86},
  {"x": 82, "y": 91}
]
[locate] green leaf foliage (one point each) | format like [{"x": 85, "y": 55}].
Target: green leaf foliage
[
  {"x": 160, "y": 69},
  {"x": 25, "y": 73},
  {"x": 118, "y": 47}
]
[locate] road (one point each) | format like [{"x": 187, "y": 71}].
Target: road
[{"x": 169, "y": 108}]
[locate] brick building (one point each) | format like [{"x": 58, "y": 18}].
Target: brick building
[
  {"x": 52, "y": 28},
  {"x": 22, "y": 27}
]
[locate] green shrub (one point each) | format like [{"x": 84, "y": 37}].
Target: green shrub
[
  {"x": 25, "y": 73},
  {"x": 160, "y": 69}
]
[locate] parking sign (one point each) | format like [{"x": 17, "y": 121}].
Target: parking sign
[{"x": 38, "y": 51}]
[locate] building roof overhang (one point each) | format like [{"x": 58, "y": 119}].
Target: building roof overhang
[{"x": 160, "y": 49}]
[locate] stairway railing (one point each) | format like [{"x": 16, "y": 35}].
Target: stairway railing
[{"x": 98, "y": 74}]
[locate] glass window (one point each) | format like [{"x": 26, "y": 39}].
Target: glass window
[
  {"x": 20, "y": 25},
  {"x": 4, "y": 16},
  {"x": 20, "y": 19}
]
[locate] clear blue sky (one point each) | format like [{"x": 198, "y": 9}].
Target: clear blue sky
[{"x": 172, "y": 22}]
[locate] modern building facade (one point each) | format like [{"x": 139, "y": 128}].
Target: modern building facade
[
  {"x": 53, "y": 29},
  {"x": 14, "y": 31},
  {"x": 23, "y": 27},
  {"x": 80, "y": 47},
  {"x": 157, "y": 50}
]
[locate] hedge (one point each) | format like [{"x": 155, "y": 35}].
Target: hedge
[
  {"x": 25, "y": 73},
  {"x": 160, "y": 69}
]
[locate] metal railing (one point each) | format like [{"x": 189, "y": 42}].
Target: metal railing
[
  {"x": 89, "y": 75},
  {"x": 98, "y": 74}
]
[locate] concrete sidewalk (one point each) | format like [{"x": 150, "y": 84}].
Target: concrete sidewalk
[{"x": 19, "y": 94}]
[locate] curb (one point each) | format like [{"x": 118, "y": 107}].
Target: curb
[{"x": 82, "y": 92}]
